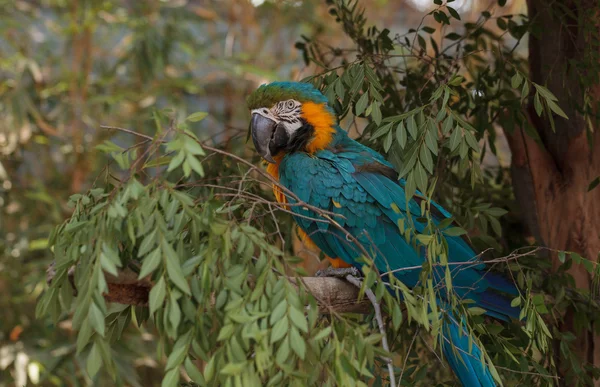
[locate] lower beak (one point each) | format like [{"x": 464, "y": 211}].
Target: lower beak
[{"x": 262, "y": 129}]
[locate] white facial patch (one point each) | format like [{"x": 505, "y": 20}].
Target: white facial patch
[{"x": 285, "y": 112}]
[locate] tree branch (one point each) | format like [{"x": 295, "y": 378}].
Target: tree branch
[{"x": 333, "y": 295}]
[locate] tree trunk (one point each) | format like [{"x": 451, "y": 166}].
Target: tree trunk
[{"x": 551, "y": 180}]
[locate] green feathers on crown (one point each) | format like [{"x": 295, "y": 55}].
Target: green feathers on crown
[{"x": 268, "y": 95}]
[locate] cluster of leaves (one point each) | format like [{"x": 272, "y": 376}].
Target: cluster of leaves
[
  {"x": 214, "y": 252},
  {"x": 436, "y": 110},
  {"x": 221, "y": 307},
  {"x": 65, "y": 67}
]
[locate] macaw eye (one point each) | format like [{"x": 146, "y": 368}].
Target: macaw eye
[{"x": 290, "y": 104}]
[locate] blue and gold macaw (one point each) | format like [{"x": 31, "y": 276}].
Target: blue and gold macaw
[{"x": 295, "y": 130}]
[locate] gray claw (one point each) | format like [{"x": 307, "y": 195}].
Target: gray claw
[{"x": 338, "y": 272}]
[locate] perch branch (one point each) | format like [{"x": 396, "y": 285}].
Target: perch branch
[{"x": 332, "y": 294}]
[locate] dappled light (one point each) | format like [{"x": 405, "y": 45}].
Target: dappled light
[{"x": 305, "y": 193}]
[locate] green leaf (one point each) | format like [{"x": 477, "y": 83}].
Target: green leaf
[
  {"x": 279, "y": 330},
  {"x": 381, "y": 131},
  {"x": 174, "y": 268},
  {"x": 195, "y": 165},
  {"x": 148, "y": 242},
  {"x": 404, "y": 115},
  {"x": 495, "y": 225},
  {"x": 426, "y": 159},
  {"x": 455, "y": 231},
  {"x": 361, "y": 104},
  {"x": 298, "y": 319},
  {"x": 453, "y": 36},
  {"x": 547, "y": 94},
  {"x": 455, "y": 138},
  {"x": 496, "y": 211},
  {"x": 174, "y": 312},
  {"x": 94, "y": 361},
  {"x": 387, "y": 143},
  {"x": 278, "y": 312},
  {"x": 233, "y": 368},
  {"x": 401, "y": 135},
  {"x": 422, "y": 42},
  {"x": 297, "y": 343},
  {"x": 108, "y": 147},
  {"x": 193, "y": 372},
  {"x": 421, "y": 178},
  {"x": 150, "y": 263},
  {"x": 108, "y": 265},
  {"x": 325, "y": 332},
  {"x": 193, "y": 147},
  {"x": 453, "y": 13},
  {"x": 556, "y": 109},
  {"x": 537, "y": 104},
  {"x": 516, "y": 80},
  {"x": 412, "y": 127},
  {"x": 283, "y": 352},
  {"x": 339, "y": 88},
  {"x": 176, "y": 161},
  {"x": 516, "y": 302},
  {"x": 524, "y": 91},
  {"x": 177, "y": 355},
  {"x": 157, "y": 295},
  {"x": 179, "y": 351},
  {"x": 448, "y": 123},
  {"x": 84, "y": 336},
  {"x": 195, "y": 117},
  {"x": 171, "y": 378},
  {"x": 431, "y": 137},
  {"x": 471, "y": 141},
  {"x": 226, "y": 332},
  {"x": 396, "y": 316},
  {"x": 456, "y": 80},
  {"x": 376, "y": 112},
  {"x": 445, "y": 101},
  {"x": 96, "y": 319},
  {"x": 476, "y": 311}
]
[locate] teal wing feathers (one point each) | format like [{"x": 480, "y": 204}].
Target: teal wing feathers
[
  {"x": 328, "y": 182},
  {"x": 368, "y": 203}
]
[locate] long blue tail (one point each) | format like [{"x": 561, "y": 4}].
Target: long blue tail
[{"x": 464, "y": 357}]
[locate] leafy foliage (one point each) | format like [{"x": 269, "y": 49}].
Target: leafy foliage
[
  {"x": 217, "y": 295},
  {"x": 198, "y": 223},
  {"x": 455, "y": 97}
]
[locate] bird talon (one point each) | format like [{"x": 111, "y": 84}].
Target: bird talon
[{"x": 338, "y": 272}]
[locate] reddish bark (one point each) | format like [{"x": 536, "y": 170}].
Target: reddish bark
[{"x": 551, "y": 180}]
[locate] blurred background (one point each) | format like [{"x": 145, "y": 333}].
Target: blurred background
[{"x": 69, "y": 66}]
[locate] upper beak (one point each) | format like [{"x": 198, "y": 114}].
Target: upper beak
[{"x": 262, "y": 129}]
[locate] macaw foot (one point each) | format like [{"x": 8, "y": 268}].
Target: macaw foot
[{"x": 341, "y": 272}]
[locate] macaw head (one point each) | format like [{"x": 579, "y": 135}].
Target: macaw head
[{"x": 289, "y": 117}]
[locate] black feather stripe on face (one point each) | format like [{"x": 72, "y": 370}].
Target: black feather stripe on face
[{"x": 300, "y": 137}]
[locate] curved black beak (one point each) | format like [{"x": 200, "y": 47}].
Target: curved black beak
[{"x": 263, "y": 129}]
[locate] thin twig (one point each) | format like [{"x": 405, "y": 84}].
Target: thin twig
[
  {"x": 384, "y": 343},
  {"x": 408, "y": 354}
]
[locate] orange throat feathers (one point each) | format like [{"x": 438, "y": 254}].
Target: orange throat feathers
[{"x": 323, "y": 122}]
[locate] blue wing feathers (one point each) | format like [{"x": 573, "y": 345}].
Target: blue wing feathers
[
  {"x": 464, "y": 359},
  {"x": 365, "y": 200}
]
